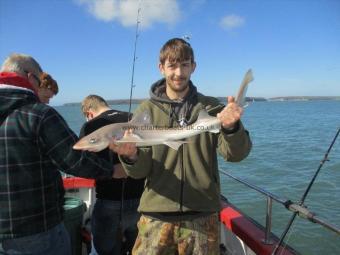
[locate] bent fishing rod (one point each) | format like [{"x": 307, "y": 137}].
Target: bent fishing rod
[{"x": 300, "y": 209}]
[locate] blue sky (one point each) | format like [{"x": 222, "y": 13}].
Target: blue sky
[{"x": 292, "y": 46}]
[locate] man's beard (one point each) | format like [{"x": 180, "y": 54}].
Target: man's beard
[{"x": 180, "y": 88}]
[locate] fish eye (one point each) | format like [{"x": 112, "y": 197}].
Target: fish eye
[{"x": 93, "y": 140}]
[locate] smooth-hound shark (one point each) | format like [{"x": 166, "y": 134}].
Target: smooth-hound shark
[{"x": 145, "y": 134}]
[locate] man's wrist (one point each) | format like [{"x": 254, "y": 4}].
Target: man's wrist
[{"x": 232, "y": 129}]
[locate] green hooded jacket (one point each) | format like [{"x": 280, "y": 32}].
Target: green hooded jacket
[{"x": 188, "y": 179}]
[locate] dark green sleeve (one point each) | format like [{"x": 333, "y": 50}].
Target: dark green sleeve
[
  {"x": 142, "y": 167},
  {"x": 234, "y": 146}
]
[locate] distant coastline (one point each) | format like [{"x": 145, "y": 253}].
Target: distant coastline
[
  {"x": 304, "y": 98},
  {"x": 223, "y": 99},
  {"x": 288, "y": 98}
]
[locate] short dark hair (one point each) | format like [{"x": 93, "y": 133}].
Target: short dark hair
[{"x": 176, "y": 50}]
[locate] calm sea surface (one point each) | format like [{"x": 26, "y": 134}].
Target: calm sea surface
[{"x": 289, "y": 141}]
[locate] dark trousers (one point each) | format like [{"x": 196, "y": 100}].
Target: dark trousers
[{"x": 112, "y": 236}]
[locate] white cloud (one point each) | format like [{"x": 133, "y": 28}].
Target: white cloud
[
  {"x": 232, "y": 21},
  {"x": 106, "y": 10},
  {"x": 125, "y": 11}
]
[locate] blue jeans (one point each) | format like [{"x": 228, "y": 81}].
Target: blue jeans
[
  {"x": 55, "y": 241},
  {"x": 109, "y": 236}
]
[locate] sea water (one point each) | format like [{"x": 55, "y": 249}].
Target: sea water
[{"x": 290, "y": 138}]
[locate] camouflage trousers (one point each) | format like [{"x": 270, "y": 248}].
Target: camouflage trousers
[{"x": 200, "y": 236}]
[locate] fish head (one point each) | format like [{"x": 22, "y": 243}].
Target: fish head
[
  {"x": 100, "y": 138},
  {"x": 91, "y": 142}
]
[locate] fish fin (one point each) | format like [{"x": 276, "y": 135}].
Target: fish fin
[
  {"x": 203, "y": 114},
  {"x": 141, "y": 119},
  {"x": 174, "y": 144},
  {"x": 240, "y": 98},
  {"x": 130, "y": 138}
]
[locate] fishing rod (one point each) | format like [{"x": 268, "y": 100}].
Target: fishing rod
[
  {"x": 134, "y": 58},
  {"x": 120, "y": 235},
  {"x": 300, "y": 208}
]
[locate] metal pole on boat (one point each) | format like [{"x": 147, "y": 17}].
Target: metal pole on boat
[
  {"x": 267, "y": 239},
  {"x": 325, "y": 158},
  {"x": 298, "y": 209},
  {"x": 270, "y": 197},
  {"x": 134, "y": 58},
  {"x": 278, "y": 199}
]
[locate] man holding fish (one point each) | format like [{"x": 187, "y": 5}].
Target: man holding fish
[{"x": 181, "y": 201}]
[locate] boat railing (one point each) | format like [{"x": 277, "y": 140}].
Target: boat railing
[{"x": 301, "y": 210}]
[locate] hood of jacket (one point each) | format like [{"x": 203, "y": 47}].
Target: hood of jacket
[
  {"x": 177, "y": 110},
  {"x": 15, "y": 92}
]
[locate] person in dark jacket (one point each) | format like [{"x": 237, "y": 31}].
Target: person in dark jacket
[
  {"x": 114, "y": 217},
  {"x": 35, "y": 143},
  {"x": 181, "y": 200}
]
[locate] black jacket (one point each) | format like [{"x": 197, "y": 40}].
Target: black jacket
[{"x": 109, "y": 188}]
